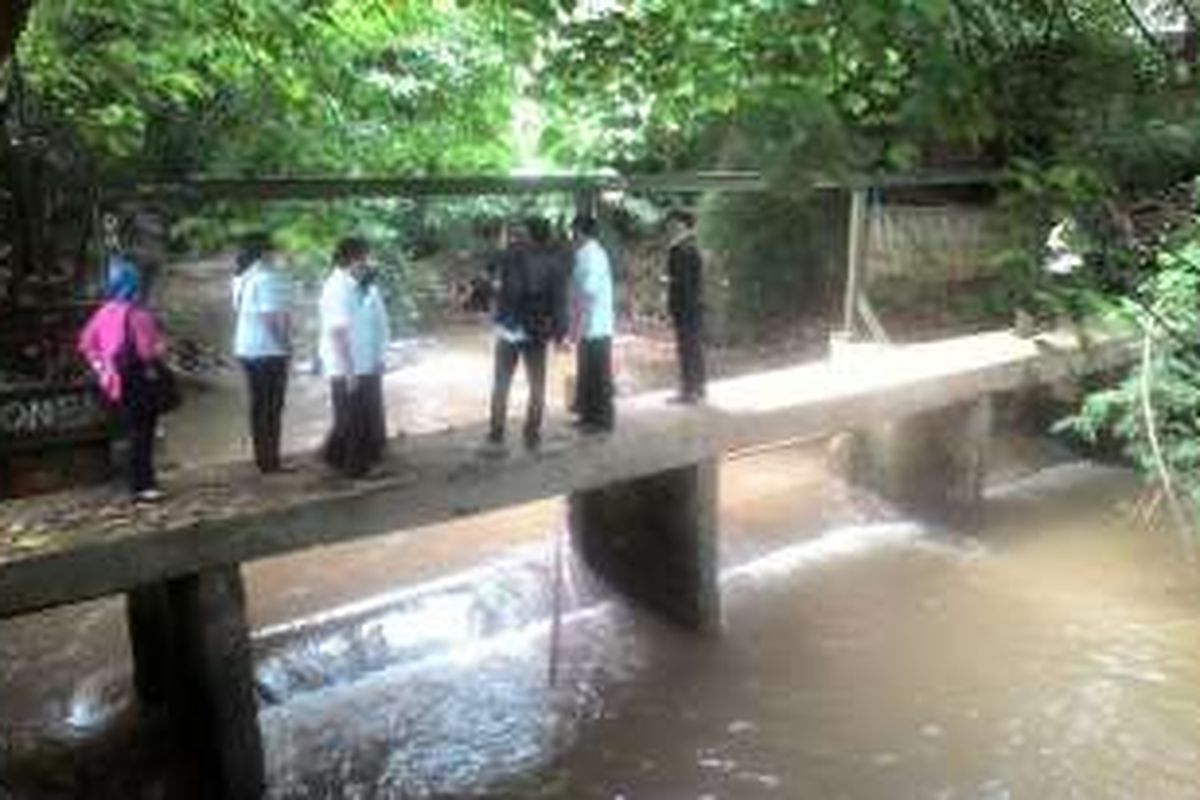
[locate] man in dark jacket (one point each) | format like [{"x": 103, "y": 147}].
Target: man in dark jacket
[
  {"x": 531, "y": 310},
  {"x": 685, "y": 301}
]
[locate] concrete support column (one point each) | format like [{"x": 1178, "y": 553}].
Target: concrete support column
[
  {"x": 148, "y": 617},
  {"x": 191, "y": 645},
  {"x": 932, "y": 464},
  {"x": 654, "y": 539}
]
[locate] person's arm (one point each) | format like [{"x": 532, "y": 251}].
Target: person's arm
[
  {"x": 89, "y": 346},
  {"x": 88, "y": 343},
  {"x": 274, "y": 304},
  {"x": 148, "y": 338},
  {"x": 383, "y": 329},
  {"x": 340, "y": 336},
  {"x": 558, "y": 294},
  {"x": 671, "y": 278},
  {"x": 581, "y": 297},
  {"x": 691, "y": 280},
  {"x": 280, "y": 323},
  {"x": 336, "y": 315}
]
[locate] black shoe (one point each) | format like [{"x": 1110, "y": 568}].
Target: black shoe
[
  {"x": 688, "y": 396},
  {"x": 493, "y": 447},
  {"x": 533, "y": 442},
  {"x": 376, "y": 471}
]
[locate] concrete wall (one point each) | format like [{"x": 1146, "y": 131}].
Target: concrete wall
[{"x": 654, "y": 539}]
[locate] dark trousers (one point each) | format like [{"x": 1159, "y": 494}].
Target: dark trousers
[
  {"x": 374, "y": 416},
  {"x": 141, "y": 420},
  {"x": 689, "y": 345},
  {"x": 353, "y": 445},
  {"x": 594, "y": 383},
  {"x": 266, "y": 379},
  {"x": 533, "y": 354}
]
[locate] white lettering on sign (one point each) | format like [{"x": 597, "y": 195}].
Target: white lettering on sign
[{"x": 63, "y": 413}]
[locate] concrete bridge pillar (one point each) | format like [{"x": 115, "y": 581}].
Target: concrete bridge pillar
[
  {"x": 192, "y": 663},
  {"x": 654, "y": 539},
  {"x": 932, "y": 464}
]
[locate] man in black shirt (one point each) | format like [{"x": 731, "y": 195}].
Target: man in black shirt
[
  {"x": 685, "y": 289},
  {"x": 531, "y": 310}
]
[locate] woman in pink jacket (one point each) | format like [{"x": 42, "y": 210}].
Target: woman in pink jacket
[{"x": 122, "y": 343}]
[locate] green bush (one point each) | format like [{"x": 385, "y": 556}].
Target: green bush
[{"x": 1164, "y": 305}]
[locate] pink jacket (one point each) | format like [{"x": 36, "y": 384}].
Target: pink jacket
[{"x": 104, "y": 334}]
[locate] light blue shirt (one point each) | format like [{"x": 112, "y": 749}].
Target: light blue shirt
[
  {"x": 259, "y": 291},
  {"x": 591, "y": 280},
  {"x": 369, "y": 332}
]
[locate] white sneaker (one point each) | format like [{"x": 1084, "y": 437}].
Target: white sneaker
[{"x": 149, "y": 496}]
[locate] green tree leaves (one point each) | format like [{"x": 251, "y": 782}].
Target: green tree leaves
[
  {"x": 1009, "y": 77},
  {"x": 170, "y": 87},
  {"x": 349, "y": 86}
]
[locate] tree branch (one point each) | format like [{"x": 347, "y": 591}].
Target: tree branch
[
  {"x": 1182, "y": 523},
  {"x": 1146, "y": 33},
  {"x": 13, "y": 16}
]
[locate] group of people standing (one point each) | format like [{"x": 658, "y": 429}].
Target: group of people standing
[
  {"x": 354, "y": 335},
  {"x": 124, "y": 345},
  {"x": 543, "y": 294},
  {"x": 547, "y": 295}
]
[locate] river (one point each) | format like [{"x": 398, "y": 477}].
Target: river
[{"x": 1055, "y": 653}]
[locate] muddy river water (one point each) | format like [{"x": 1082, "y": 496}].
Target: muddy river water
[{"x": 1055, "y": 653}]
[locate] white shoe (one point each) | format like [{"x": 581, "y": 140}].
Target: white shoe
[{"x": 149, "y": 496}]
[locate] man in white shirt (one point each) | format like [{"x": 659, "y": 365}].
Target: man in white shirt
[
  {"x": 262, "y": 343},
  {"x": 341, "y": 309},
  {"x": 369, "y": 341},
  {"x": 592, "y": 328}
]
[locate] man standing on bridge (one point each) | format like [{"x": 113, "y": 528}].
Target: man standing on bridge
[
  {"x": 592, "y": 328},
  {"x": 685, "y": 301},
  {"x": 531, "y": 310},
  {"x": 348, "y": 447},
  {"x": 262, "y": 343}
]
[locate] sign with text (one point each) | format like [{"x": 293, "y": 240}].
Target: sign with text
[{"x": 49, "y": 413}]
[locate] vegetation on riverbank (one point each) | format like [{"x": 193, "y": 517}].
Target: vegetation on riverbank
[{"x": 1151, "y": 415}]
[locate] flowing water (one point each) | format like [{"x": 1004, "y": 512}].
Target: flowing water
[{"x": 1053, "y": 654}]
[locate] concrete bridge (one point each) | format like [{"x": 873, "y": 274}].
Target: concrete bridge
[{"x": 643, "y": 508}]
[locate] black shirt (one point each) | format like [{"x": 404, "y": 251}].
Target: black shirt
[
  {"x": 533, "y": 291},
  {"x": 685, "y": 281}
]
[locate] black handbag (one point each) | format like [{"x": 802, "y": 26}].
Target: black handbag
[
  {"x": 164, "y": 387},
  {"x": 156, "y": 379}
]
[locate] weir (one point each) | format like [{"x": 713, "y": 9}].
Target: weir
[
  {"x": 932, "y": 463},
  {"x": 643, "y": 507}
]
